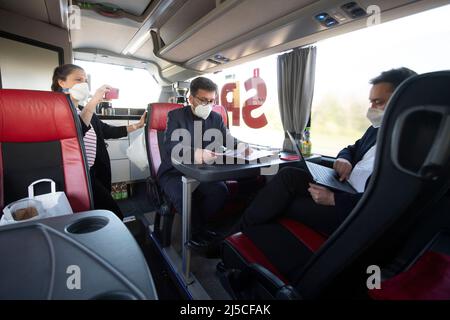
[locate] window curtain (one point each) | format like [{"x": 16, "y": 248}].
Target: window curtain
[{"x": 296, "y": 76}]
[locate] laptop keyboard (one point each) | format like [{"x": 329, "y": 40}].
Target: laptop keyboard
[
  {"x": 327, "y": 177},
  {"x": 322, "y": 173}
]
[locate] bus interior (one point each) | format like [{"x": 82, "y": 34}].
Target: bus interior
[{"x": 301, "y": 66}]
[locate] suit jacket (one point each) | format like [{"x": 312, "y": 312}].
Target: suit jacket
[
  {"x": 345, "y": 202},
  {"x": 183, "y": 118}
]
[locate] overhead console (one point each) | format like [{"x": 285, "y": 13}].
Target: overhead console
[{"x": 220, "y": 34}]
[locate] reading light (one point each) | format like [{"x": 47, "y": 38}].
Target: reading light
[
  {"x": 326, "y": 20},
  {"x": 322, "y": 16}
]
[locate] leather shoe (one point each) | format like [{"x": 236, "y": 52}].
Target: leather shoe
[
  {"x": 199, "y": 242},
  {"x": 211, "y": 235}
]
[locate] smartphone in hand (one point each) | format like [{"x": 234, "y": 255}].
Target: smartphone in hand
[{"x": 112, "y": 94}]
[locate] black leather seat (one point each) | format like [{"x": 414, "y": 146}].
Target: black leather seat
[{"x": 400, "y": 217}]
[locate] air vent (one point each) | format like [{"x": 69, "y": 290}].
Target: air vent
[
  {"x": 354, "y": 10},
  {"x": 221, "y": 58},
  {"x": 351, "y": 9},
  {"x": 214, "y": 61}
]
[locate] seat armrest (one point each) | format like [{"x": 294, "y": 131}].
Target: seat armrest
[{"x": 272, "y": 284}]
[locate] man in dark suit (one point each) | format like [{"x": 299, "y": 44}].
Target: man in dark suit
[
  {"x": 291, "y": 194},
  {"x": 194, "y": 120}
]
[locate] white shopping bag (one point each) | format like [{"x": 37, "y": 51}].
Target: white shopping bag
[
  {"x": 54, "y": 203},
  {"x": 42, "y": 206},
  {"x": 137, "y": 153},
  {"x": 34, "y": 207}
]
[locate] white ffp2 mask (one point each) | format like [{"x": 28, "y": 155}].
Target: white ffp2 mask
[
  {"x": 80, "y": 92},
  {"x": 203, "y": 111},
  {"x": 375, "y": 116}
]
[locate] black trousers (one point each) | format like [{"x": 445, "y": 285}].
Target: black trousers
[
  {"x": 208, "y": 198},
  {"x": 102, "y": 196},
  {"x": 286, "y": 195}
]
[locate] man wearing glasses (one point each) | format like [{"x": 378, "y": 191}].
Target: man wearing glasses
[{"x": 209, "y": 198}]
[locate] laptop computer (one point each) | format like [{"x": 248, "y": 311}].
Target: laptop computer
[{"x": 320, "y": 174}]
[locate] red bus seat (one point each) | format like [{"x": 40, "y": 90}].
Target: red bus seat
[
  {"x": 40, "y": 137},
  {"x": 155, "y": 127}
]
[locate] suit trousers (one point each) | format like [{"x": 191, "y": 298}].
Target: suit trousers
[
  {"x": 286, "y": 195},
  {"x": 208, "y": 198}
]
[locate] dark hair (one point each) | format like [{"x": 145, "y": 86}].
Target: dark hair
[
  {"x": 61, "y": 73},
  {"x": 202, "y": 83},
  {"x": 394, "y": 76}
]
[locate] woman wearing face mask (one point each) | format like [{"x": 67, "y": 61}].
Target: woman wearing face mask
[{"x": 71, "y": 79}]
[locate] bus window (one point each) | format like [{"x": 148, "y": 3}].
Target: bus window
[
  {"x": 137, "y": 88},
  {"x": 249, "y": 91},
  {"x": 346, "y": 63},
  {"x": 26, "y": 66}
]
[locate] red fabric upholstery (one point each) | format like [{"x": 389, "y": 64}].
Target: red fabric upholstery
[
  {"x": 233, "y": 188},
  {"x": 75, "y": 175},
  {"x": 159, "y": 111},
  {"x": 40, "y": 116},
  {"x": 310, "y": 238},
  {"x": 427, "y": 279},
  {"x": 158, "y": 114},
  {"x": 157, "y": 122},
  {"x": 221, "y": 110},
  {"x": 252, "y": 254},
  {"x": 43, "y": 116},
  {"x": 2, "y": 200},
  {"x": 154, "y": 151}
]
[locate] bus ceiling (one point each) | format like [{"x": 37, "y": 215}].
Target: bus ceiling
[{"x": 183, "y": 38}]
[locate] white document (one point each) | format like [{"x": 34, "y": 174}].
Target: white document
[{"x": 256, "y": 154}]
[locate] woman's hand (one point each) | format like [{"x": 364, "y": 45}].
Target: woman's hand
[
  {"x": 89, "y": 109},
  {"x": 99, "y": 95},
  {"x": 321, "y": 195},
  {"x": 140, "y": 124},
  {"x": 97, "y": 98}
]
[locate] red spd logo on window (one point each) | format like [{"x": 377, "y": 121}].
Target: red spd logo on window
[{"x": 251, "y": 104}]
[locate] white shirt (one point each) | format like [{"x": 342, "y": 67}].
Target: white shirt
[
  {"x": 362, "y": 170},
  {"x": 90, "y": 144}
]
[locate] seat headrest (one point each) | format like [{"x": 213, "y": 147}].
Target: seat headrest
[
  {"x": 411, "y": 172},
  {"x": 157, "y": 114},
  {"x": 223, "y": 112},
  {"x": 421, "y": 129},
  {"x": 47, "y": 113}
]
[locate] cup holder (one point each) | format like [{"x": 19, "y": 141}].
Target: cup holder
[
  {"x": 87, "y": 225},
  {"x": 115, "y": 295}
]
